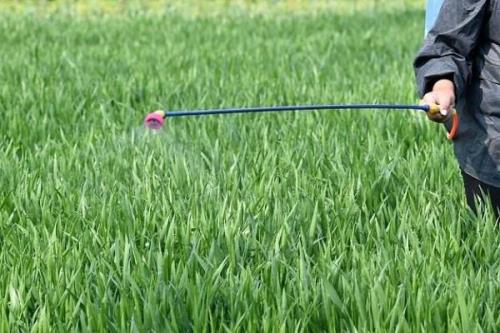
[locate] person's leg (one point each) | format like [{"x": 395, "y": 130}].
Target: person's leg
[{"x": 475, "y": 189}]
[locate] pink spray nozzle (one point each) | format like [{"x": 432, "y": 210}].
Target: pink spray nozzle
[{"x": 154, "y": 120}]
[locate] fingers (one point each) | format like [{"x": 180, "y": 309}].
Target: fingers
[
  {"x": 436, "y": 112},
  {"x": 429, "y": 99},
  {"x": 446, "y": 101},
  {"x": 443, "y": 95}
]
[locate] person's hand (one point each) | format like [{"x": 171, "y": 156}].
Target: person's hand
[{"x": 443, "y": 95}]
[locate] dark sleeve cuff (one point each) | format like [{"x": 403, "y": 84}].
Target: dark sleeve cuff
[{"x": 435, "y": 69}]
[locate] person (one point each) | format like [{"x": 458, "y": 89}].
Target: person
[{"x": 458, "y": 67}]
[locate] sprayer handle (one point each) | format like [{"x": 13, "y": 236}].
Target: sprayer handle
[
  {"x": 434, "y": 109},
  {"x": 455, "y": 121}
]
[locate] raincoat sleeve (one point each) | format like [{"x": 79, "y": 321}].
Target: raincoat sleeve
[{"x": 449, "y": 45}]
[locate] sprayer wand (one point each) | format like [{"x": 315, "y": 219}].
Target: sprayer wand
[{"x": 155, "y": 120}]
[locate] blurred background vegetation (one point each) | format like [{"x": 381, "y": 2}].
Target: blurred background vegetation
[{"x": 201, "y": 7}]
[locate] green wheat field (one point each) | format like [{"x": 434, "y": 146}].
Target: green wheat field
[{"x": 347, "y": 221}]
